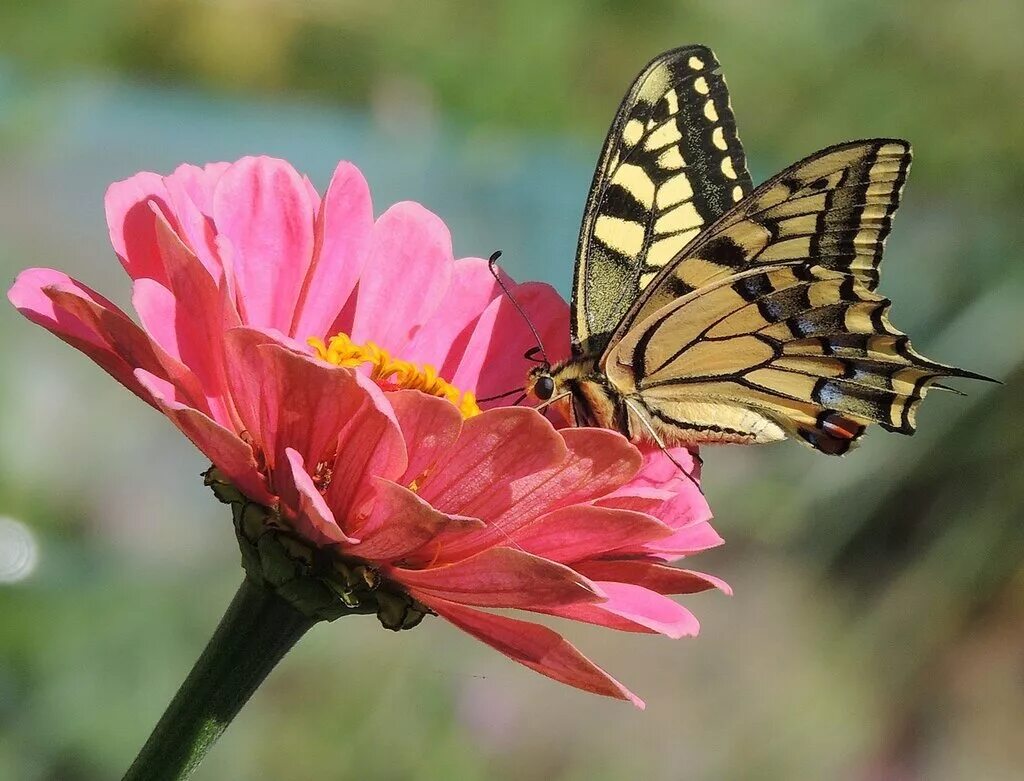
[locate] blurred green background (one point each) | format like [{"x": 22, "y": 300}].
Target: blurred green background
[{"x": 877, "y": 631}]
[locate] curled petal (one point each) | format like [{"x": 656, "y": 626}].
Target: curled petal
[
  {"x": 653, "y": 575},
  {"x": 430, "y": 427},
  {"x": 89, "y": 322},
  {"x": 190, "y": 190},
  {"x": 632, "y": 608},
  {"x": 539, "y": 648},
  {"x": 694, "y": 538},
  {"x": 401, "y": 525},
  {"x": 310, "y": 512},
  {"x": 224, "y": 448},
  {"x": 502, "y": 577},
  {"x": 578, "y": 532},
  {"x": 131, "y": 219}
]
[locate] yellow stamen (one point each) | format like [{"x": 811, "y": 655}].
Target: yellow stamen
[{"x": 392, "y": 373}]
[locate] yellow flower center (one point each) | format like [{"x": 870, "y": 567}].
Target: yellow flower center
[{"x": 391, "y": 373}]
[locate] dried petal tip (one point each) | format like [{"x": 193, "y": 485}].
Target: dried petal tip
[{"x": 316, "y": 581}]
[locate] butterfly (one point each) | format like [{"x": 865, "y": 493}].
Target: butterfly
[{"x": 707, "y": 310}]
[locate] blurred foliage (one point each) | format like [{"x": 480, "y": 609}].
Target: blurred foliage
[
  {"x": 537, "y": 65},
  {"x": 877, "y": 630}
]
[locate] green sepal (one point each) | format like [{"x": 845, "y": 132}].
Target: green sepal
[{"x": 319, "y": 582}]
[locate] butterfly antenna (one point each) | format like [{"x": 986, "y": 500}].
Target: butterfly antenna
[
  {"x": 504, "y": 395},
  {"x": 491, "y": 264}
]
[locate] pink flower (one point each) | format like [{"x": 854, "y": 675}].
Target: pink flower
[{"x": 370, "y": 443}]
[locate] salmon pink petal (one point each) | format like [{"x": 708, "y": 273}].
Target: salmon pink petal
[
  {"x": 506, "y": 470},
  {"x": 326, "y": 413},
  {"x": 312, "y": 516},
  {"x": 129, "y": 206},
  {"x": 539, "y": 648},
  {"x": 369, "y": 445},
  {"x": 224, "y": 448},
  {"x": 503, "y": 456},
  {"x": 401, "y": 524},
  {"x": 652, "y": 575},
  {"x": 633, "y": 608},
  {"x": 577, "y": 532},
  {"x": 262, "y": 207},
  {"x": 493, "y": 360},
  {"x": 430, "y": 426},
  {"x": 501, "y": 577},
  {"x": 407, "y": 272},
  {"x": 344, "y": 225},
  {"x": 599, "y": 461}
]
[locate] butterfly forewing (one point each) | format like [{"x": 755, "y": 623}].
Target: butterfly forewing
[
  {"x": 671, "y": 165},
  {"x": 834, "y": 209}
]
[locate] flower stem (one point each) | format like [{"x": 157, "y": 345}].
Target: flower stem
[{"x": 257, "y": 630}]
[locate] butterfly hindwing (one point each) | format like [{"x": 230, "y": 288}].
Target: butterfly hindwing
[
  {"x": 833, "y": 209},
  {"x": 671, "y": 165},
  {"x": 781, "y": 350}
]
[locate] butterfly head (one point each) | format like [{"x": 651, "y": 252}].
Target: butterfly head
[{"x": 541, "y": 382}]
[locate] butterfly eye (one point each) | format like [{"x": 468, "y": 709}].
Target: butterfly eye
[{"x": 544, "y": 387}]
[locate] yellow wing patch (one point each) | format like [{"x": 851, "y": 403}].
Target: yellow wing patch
[{"x": 672, "y": 164}]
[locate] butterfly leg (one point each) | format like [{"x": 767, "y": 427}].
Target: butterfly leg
[{"x": 661, "y": 444}]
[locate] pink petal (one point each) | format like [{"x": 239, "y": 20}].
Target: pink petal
[
  {"x": 633, "y": 608},
  {"x": 190, "y": 318},
  {"x": 654, "y": 576},
  {"x": 493, "y": 360},
  {"x": 578, "y": 532},
  {"x": 369, "y": 445},
  {"x": 683, "y": 503},
  {"x": 190, "y": 190},
  {"x": 430, "y": 426},
  {"x": 312, "y": 516},
  {"x": 503, "y": 456},
  {"x": 501, "y": 577},
  {"x": 344, "y": 226},
  {"x": 89, "y": 322},
  {"x": 262, "y": 207},
  {"x": 401, "y": 524},
  {"x": 304, "y": 401},
  {"x": 132, "y": 226},
  {"x": 537, "y": 647},
  {"x": 224, "y": 448},
  {"x": 407, "y": 272},
  {"x": 686, "y": 541},
  {"x": 506, "y": 470},
  {"x": 443, "y": 339}
]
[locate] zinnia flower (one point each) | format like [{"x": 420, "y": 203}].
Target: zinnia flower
[{"x": 328, "y": 366}]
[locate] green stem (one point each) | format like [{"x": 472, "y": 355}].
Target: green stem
[{"x": 257, "y": 630}]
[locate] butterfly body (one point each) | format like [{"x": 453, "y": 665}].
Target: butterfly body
[{"x": 706, "y": 310}]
